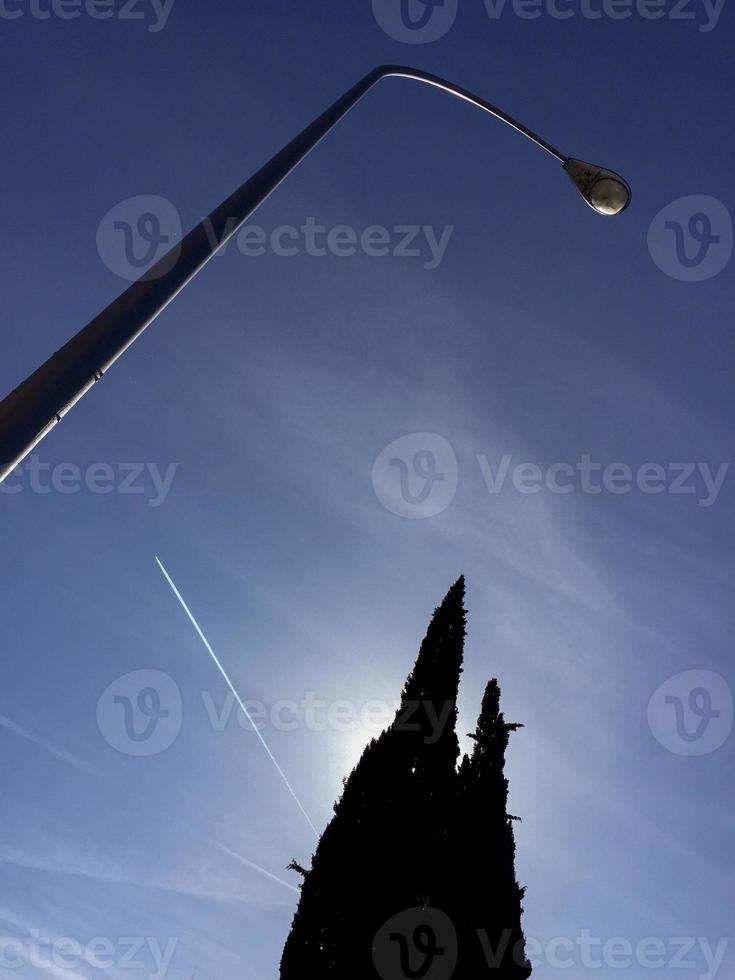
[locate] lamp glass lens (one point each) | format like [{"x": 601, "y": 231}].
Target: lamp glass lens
[{"x": 609, "y": 196}]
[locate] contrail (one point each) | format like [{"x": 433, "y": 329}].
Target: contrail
[
  {"x": 255, "y": 867},
  {"x": 231, "y": 686}
]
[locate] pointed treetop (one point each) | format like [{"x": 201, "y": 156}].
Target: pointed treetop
[
  {"x": 492, "y": 728},
  {"x": 491, "y": 700},
  {"x": 434, "y": 679},
  {"x": 452, "y": 605}
]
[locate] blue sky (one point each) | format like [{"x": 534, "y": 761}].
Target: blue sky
[{"x": 269, "y": 389}]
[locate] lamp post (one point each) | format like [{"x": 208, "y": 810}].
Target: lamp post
[{"x": 39, "y": 403}]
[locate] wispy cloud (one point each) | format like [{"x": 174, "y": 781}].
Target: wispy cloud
[
  {"x": 196, "y": 879},
  {"x": 9, "y": 725}
]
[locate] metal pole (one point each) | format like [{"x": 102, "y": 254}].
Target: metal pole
[{"x": 35, "y": 407}]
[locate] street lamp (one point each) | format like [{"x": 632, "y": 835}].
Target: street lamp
[{"x": 43, "y": 399}]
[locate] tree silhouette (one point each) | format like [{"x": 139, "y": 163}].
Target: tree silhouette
[
  {"x": 487, "y": 909},
  {"x": 411, "y": 831}
]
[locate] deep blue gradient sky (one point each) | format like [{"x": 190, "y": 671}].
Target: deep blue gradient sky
[{"x": 274, "y": 383}]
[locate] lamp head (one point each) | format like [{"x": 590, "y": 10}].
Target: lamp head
[{"x": 604, "y": 190}]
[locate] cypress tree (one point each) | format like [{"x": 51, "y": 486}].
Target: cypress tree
[
  {"x": 388, "y": 846},
  {"x": 488, "y": 908}
]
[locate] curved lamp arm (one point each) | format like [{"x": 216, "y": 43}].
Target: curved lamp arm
[
  {"x": 29, "y": 413},
  {"x": 398, "y": 71}
]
